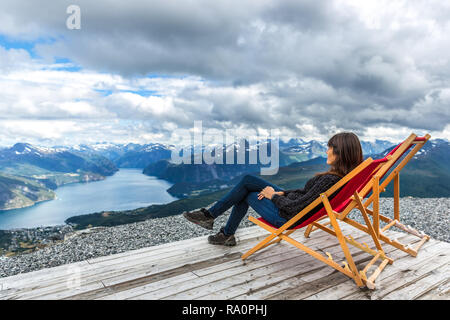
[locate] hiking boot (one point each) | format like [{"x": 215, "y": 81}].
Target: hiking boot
[
  {"x": 201, "y": 217},
  {"x": 221, "y": 238}
]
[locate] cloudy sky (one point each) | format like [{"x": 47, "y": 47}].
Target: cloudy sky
[{"x": 139, "y": 69}]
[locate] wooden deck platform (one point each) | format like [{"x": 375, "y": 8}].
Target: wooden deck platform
[{"x": 194, "y": 269}]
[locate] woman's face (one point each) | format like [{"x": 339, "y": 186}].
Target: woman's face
[{"x": 331, "y": 157}]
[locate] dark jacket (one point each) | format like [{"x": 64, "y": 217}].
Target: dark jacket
[{"x": 295, "y": 200}]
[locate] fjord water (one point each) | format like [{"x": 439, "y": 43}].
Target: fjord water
[{"x": 126, "y": 189}]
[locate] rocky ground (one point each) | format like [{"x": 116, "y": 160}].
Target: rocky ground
[
  {"x": 28, "y": 240},
  {"x": 430, "y": 215}
]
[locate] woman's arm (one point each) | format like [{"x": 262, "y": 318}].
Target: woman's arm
[
  {"x": 294, "y": 206},
  {"x": 272, "y": 192},
  {"x": 268, "y": 193},
  {"x": 286, "y": 192}
]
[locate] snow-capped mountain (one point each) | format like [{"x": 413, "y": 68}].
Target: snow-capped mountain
[
  {"x": 130, "y": 155},
  {"x": 32, "y": 159},
  {"x": 375, "y": 147},
  {"x": 27, "y": 148}
]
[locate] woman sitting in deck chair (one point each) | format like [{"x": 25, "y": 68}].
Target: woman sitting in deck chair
[{"x": 278, "y": 206}]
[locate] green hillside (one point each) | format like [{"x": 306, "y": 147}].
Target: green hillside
[
  {"x": 19, "y": 192},
  {"x": 427, "y": 174}
]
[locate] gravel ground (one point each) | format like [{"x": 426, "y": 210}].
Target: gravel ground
[{"x": 431, "y": 216}]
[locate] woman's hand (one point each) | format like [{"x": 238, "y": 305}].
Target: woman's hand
[{"x": 268, "y": 193}]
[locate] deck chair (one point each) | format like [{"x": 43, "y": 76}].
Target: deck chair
[
  {"x": 345, "y": 188},
  {"x": 393, "y": 157}
]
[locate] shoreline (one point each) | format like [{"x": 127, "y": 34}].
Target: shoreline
[
  {"x": 25, "y": 218},
  {"x": 85, "y": 178},
  {"x": 430, "y": 215}
]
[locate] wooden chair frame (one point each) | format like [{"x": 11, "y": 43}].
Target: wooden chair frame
[
  {"x": 349, "y": 268},
  {"x": 375, "y": 199}
]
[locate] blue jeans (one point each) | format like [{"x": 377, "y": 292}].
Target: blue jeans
[{"x": 242, "y": 195}]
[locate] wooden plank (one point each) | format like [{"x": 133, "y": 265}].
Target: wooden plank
[
  {"x": 425, "y": 284},
  {"x": 244, "y": 233},
  {"x": 371, "y": 281},
  {"x": 60, "y": 285},
  {"x": 140, "y": 290},
  {"x": 71, "y": 289},
  {"x": 22, "y": 278},
  {"x": 86, "y": 270},
  {"x": 331, "y": 287},
  {"x": 406, "y": 270},
  {"x": 397, "y": 196},
  {"x": 224, "y": 289},
  {"x": 441, "y": 292},
  {"x": 241, "y": 248},
  {"x": 225, "y": 275},
  {"x": 220, "y": 265},
  {"x": 314, "y": 281},
  {"x": 51, "y": 273},
  {"x": 267, "y": 293},
  {"x": 263, "y": 281},
  {"x": 161, "y": 277},
  {"x": 59, "y": 277},
  {"x": 139, "y": 274},
  {"x": 157, "y": 287},
  {"x": 271, "y": 251},
  {"x": 191, "y": 289},
  {"x": 264, "y": 293},
  {"x": 256, "y": 263},
  {"x": 254, "y": 284},
  {"x": 102, "y": 273},
  {"x": 376, "y": 205},
  {"x": 195, "y": 255},
  {"x": 278, "y": 270},
  {"x": 356, "y": 276}
]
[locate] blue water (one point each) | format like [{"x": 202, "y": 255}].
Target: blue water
[{"x": 126, "y": 189}]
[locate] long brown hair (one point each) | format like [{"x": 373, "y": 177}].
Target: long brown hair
[{"x": 348, "y": 152}]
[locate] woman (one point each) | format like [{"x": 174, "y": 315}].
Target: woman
[{"x": 274, "y": 204}]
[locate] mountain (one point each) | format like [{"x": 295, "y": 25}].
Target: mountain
[
  {"x": 143, "y": 156},
  {"x": 19, "y": 192},
  {"x": 134, "y": 155},
  {"x": 318, "y": 160},
  {"x": 53, "y": 165},
  {"x": 376, "y": 147},
  {"x": 290, "y": 152},
  {"x": 300, "y": 150},
  {"x": 202, "y": 172},
  {"x": 26, "y": 156},
  {"x": 427, "y": 174},
  {"x": 290, "y": 142},
  {"x": 29, "y": 172},
  {"x": 129, "y": 155}
]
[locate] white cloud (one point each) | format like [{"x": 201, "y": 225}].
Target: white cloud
[{"x": 306, "y": 68}]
